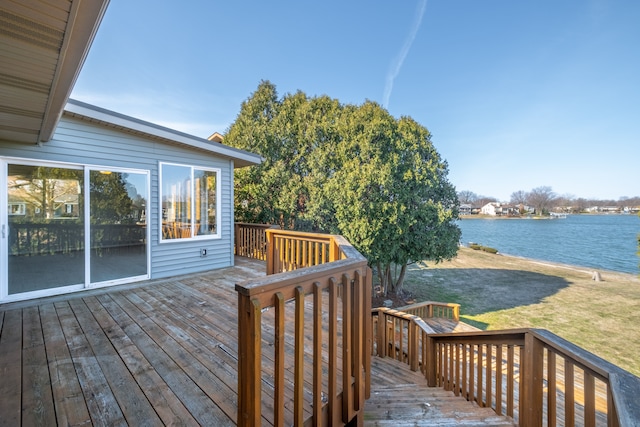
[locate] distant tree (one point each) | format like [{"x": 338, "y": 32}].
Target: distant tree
[
  {"x": 467, "y": 197},
  {"x": 564, "y": 203},
  {"x": 351, "y": 170},
  {"x": 541, "y": 198},
  {"x": 580, "y": 205},
  {"x": 518, "y": 197},
  {"x": 483, "y": 200}
]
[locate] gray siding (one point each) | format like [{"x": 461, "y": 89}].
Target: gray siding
[{"x": 82, "y": 142}]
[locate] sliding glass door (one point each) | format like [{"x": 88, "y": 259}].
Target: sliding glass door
[
  {"x": 45, "y": 229},
  {"x": 118, "y": 225},
  {"x": 68, "y": 227}
]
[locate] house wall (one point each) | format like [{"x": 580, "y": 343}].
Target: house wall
[{"x": 82, "y": 142}]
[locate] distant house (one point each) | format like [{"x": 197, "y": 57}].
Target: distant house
[
  {"x": 492, "y": 208},
  {"x": 93, "y": 197},
  {"x": 466, "y": 209},
  {"x": 499, "y": 209}
]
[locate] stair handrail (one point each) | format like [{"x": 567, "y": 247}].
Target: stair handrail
[{"x": 458, "y": 362}]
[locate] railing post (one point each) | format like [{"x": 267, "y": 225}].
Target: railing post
[
  {"x": 381, "y": 332},
  {"x": 236, "y": 239},
  {"x": 456, "y": 312},
  {"x": 413, "y": 345},
  {"x": 249, "y": 361},
  {"x": 532, "y": 377},
  {"x": 271, "y": 252},
  {"x": 334, "y": 250},
  {"x": 431, "y": 360}
]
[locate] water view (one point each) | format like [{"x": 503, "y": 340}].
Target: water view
[{"x": 607, "y": 242}]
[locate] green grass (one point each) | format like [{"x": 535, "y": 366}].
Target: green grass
[{"x": 500, "y": 292}]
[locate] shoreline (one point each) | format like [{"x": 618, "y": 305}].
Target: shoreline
[{"x": 575, "y": 267}]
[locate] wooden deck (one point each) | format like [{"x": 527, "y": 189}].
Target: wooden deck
[{"x": 162, "y": 352}]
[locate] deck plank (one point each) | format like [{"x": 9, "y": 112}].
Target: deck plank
[
  {"x": 102, "y": 404},
  {"x": 70, "y": 405},
  {"x": 37, "y": 398},
  {"x": 135, "y": 407},
  {"x": 10, "y": 367},
  {"x": 168, "y": 407},
  {"x": 181, "y": 372}
]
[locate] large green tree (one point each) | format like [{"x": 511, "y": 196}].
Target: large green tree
[{"x": 351, "y": 170}]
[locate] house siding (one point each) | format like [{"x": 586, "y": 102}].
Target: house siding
[{"x": 82, "y": 142}]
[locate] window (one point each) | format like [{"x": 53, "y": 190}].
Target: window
[
  {"x": 190, "y": 202},
  {"x": 17, "y": 209}
]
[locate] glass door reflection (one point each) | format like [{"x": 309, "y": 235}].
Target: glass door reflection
[{"x": 118, "y": 227}]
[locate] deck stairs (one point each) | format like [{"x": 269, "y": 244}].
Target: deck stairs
[{"x": 400, "y": 397}]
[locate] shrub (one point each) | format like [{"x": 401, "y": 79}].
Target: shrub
[{"x": 478, "y": 247}]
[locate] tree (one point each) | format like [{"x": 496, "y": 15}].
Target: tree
[
  {"x": 391, "y": 196},
  {"x": 518, "y": 197},
  {"x": 467, "y": 197},
  {"x": 350, "y": 170},
  {"x": 541, "y": 198},
  {"x": 110, "y": 200}
]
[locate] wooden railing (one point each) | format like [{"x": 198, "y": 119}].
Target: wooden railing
[
  {"x": 251, "y": 240},
  {"x": 315, "y": 367},
  {"x": 531, "y": 375},
  {"x": 64, "y": 236},
  {"x": 430, "y": 309}
]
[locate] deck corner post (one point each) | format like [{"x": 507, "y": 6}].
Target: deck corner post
[
  {"x": 532, "y": 378},
  {"x": 456, "y": 312},
  {"x": 270, "y": 255},
  {"x": 431, "y": 367},
  {"x": 249, "y": 360}
]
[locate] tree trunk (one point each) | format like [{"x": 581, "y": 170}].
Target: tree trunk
[{"x": 400, "y": 281}]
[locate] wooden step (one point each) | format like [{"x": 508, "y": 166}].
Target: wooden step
[{"x": 410, "y": 402}]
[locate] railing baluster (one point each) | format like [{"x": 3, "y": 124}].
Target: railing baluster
[
  {"x": 510, "y": 380},
  {"x": 551, "y": 389},
  {"x": 298, "y": 400},
  {"x": 489, "y": 376},
  {"x": 498, "y": 393},
  {"x": 278, "y": 404},
  {"x": 457, "y": 365},
  {"x": 569, "y": 398},
  {"x": 317, "y": 353},
  {"x": 347, "y": 328},
  {"x": 479, "y": 370},
  {"x": 589, "y": 400},
  {"x": 472, "y": 372},
  {"x": 333, "y": 350},
  {"x": 465, "y": 365}
]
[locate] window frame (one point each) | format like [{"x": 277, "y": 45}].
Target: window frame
[{"x": 192, "y": 195}]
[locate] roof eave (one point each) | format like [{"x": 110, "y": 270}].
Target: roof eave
[
  {"x": 83, "y": 23},
  {"x": 132, "y": 125}
]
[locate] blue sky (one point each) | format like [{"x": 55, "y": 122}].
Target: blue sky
[{"x": 517, "y": 94}]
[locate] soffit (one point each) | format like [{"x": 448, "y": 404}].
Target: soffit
[{"x": 43, "y": 44}]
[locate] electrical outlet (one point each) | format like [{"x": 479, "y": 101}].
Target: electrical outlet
[{"x": 203, "y": 252}]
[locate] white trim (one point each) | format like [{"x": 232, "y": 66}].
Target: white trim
[{"x": 4, "y": 232}]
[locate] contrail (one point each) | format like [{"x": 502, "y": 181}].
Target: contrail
[{"x": 396, "y": 65}]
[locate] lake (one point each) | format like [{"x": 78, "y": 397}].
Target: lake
[{"x": 607, "y": 242}]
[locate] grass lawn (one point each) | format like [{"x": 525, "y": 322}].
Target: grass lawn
[{"x": 499, "y": 292}]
